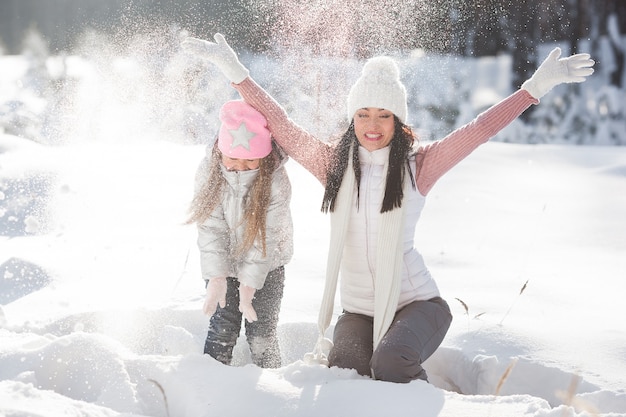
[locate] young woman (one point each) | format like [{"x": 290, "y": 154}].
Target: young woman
[
  {"x": 241, "y": 208},
  {"x": 376, "y": 182}
]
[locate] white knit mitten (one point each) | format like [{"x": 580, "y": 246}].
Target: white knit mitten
[
  {"x": 554, "y": 71},
  {"x": 220, "y": 54}
]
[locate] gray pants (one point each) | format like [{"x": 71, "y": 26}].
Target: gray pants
[
  {"x": 415, "y": 333},
  {"x": 261, "y": 335}
]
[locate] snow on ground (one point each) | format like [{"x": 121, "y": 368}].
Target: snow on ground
[
  {"x": 118, "y": 329},
  {"x": 100, "y": 289}
]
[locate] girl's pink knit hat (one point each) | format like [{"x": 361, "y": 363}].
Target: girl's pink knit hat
[{"x": 243, "y": 133}]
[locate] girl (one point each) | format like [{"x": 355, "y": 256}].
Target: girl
[
  {"x": 376, "y": 184},
  {"x": 245, "y": 234}
]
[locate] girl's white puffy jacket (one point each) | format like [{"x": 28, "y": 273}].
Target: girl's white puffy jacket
[{"x": 221, "y": 234}]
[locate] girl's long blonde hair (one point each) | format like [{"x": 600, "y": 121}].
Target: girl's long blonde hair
[{"x": 256, "y": 202}]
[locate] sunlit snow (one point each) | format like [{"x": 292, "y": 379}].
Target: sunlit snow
[{"x": 100, "y": 281}]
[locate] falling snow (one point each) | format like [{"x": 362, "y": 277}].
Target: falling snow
[{"x": 102, "y": 295}]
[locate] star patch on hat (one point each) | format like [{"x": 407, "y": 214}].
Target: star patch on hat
[
  {"x": 241, "y": 136},
  {"x": 243, "y": 133}
]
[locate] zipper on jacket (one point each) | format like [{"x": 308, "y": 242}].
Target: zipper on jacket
[
  {"x": 237, "y": 211},
  {"x": 367, "y": 195}
]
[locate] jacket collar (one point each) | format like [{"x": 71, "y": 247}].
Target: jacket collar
[
  {"x": 377, "y": 157},
  {"x": 239, "y": 178}
]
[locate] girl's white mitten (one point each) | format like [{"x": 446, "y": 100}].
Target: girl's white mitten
[
  {"x": 246, "y": 295},
  {"x": 215, "y": 294},
  {"x": 220, "y": 54},
  {"x": 554, "y": 71}
]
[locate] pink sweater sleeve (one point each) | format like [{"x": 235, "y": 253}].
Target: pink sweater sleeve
[
  {"x": 434, "y": 159},
  {"x": 310, "y": 152},
  {"x": 439, "y": 157}
]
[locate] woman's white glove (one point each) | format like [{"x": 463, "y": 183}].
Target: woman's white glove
[
  {"x": 554, "y": 71},
  {"x": 215, "y": 294},
  {"x": 246, "y": 295},
  {"x": 220, "y": 54}
]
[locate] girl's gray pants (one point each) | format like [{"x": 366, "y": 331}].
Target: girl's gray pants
[{"x": 225, "y": 325}]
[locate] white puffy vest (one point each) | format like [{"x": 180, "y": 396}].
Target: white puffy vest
[{"x": 359, "y": 254}]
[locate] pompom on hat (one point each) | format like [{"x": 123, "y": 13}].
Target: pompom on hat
[
  {"x": 379, "y": 86},
  {"x": 243, "y": 133}
]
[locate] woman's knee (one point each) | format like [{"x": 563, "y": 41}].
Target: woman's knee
[
  {"x": 351, "y": 356},
  {"x": 414, "y": 335},
  {"x": 397, "y": 363},
  {"x": 352, "y": 341}
]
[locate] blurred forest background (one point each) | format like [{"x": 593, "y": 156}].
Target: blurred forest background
[
  {"x": 466, "y": 28},
  {"x": 76, "y": 68}
]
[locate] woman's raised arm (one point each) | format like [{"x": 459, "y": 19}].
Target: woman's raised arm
[{"x": 307, "y": 150}]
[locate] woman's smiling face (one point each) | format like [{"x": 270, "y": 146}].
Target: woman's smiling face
[{"x": 374, "y": 127}]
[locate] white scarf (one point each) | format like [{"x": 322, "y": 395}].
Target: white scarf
[{"x": 389, "y": 256}]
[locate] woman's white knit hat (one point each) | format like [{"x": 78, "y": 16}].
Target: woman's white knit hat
[{"x": 379, "y": 86}]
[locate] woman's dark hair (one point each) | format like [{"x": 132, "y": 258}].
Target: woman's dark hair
[
  {"x": 338, "y": 166},
  {"x": 400, "y": 147}
]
